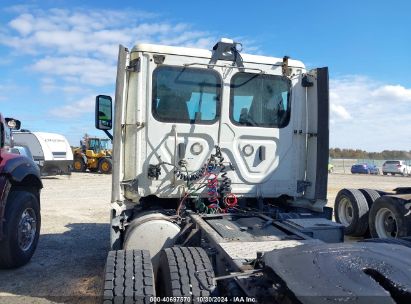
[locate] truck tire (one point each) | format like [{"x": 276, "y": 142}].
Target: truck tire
[
  {"x": 387, "y": 218},
  {"x": 129, "y": 277},
  {"x": 185, "y": 272},
  {"x": 370, "y": 195},
  {"x": 351, "y": 210},
  {"x": 105, "y": 165},
  {"x": 79, "y": 165},
  {"x": 22, "y": 229}
]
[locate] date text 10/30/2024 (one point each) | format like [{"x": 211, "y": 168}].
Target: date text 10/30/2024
[{"x": 203, "y": 299}]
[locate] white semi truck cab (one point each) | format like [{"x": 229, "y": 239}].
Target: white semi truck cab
[{"x": 219, "y": 175}]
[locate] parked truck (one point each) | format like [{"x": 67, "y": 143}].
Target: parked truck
[
  {"x": 20, "y": 187},
  {"x": 219, "y": 185}
]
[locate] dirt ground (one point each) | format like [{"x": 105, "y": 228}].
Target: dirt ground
[{"x": 67, "y": 266}]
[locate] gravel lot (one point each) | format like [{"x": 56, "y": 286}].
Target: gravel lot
[{"x": 68, "y": 264}]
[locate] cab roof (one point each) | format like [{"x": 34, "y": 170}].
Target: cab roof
[{"x": 203, "y": 53}]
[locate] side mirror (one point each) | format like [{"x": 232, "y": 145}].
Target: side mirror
[
  {"x": 104, "y": 112},
  {"x": 13, "y": 124}
]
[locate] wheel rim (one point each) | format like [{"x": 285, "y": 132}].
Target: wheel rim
[
  {"x": 27, "y": 229},
  {"x": 77, "y": 165},
  {"x": 345, "y": 211},
  {"x": 386, "y": 223},
  {"x": 105, "y": 166}
]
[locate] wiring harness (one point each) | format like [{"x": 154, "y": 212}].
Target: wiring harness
[{"x": 219, "y": 197}]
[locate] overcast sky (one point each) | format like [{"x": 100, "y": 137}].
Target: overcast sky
[{"x": 55, "y": 56}]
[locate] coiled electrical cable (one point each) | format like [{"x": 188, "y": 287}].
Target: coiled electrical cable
[
  {"x": 194, "y": 176},
  {"x": 225, "y": 187},
  {"x": 212, "y": 189}
]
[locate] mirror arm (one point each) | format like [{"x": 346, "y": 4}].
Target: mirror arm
[{"x": 108, "y": 134}]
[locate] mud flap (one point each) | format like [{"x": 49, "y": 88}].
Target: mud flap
[{"x": 344, "y": 273}]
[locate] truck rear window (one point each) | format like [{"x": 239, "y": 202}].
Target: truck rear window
[
  {"x": 187, "y": 95},
  {"x": 260, "y": 100}
]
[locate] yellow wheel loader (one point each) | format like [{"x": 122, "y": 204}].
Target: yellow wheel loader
[{"x": 94, "y": 154}]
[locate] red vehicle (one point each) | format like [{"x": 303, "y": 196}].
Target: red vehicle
[{"x": 20, "y": 187}]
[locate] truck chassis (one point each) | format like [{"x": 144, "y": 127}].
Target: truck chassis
[{"x": 220, "y": 181}]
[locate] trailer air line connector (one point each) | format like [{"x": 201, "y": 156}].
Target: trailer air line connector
[{"x": 233, "y": 275}]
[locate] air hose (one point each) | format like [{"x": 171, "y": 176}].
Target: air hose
[
  {"x": 212, "y": 189},
  {"x": 225, "y": 187}
]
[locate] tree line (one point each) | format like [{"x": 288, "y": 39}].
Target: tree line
[{"x": 361, "y": 154}]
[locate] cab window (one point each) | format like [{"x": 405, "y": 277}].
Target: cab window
[
  {"x": 186, "y": 95},
  {"x": 259, "y": 100}
]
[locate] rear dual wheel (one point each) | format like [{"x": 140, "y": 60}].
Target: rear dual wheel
[
  {"x": 389, "y": 218},
  {"x": 351, "y": 209},
  {"x": 129, "y": 277},
  {"x": 183, "y": 273},
  {"x": 371, "y": 195}
]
